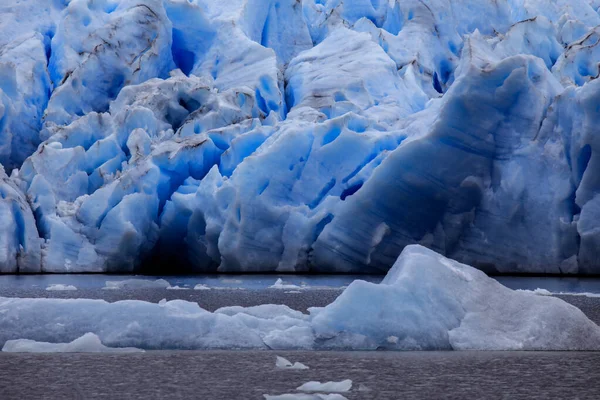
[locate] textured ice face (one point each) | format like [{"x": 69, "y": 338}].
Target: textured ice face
[
  {"x": 286, "y": 135},
  {"x": 460, "y": 306},
  {"x": 426, "y": 302}
]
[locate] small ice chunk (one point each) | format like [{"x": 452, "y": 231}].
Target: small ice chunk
[
  {"x": 335, "y": 387},
  {"x": 305, "y": 396},
  {"x": 88, "y": 343},
  {"x": 137, "y": 284},
  {"x": 60, "y": 286},
  {"x": 280, "y": 285},
  {"x": 201, "y": 286},
  {"x": 283, "y": 363},
  {"x": 177, "y": 288}
]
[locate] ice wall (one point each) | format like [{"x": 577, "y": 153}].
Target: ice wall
[{"x": 280, "y": 135}]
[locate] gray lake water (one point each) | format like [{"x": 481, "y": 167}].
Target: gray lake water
[{"x": 231, "y": 375}]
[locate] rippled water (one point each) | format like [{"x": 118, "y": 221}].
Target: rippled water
[{"x": 232, "y": 375}]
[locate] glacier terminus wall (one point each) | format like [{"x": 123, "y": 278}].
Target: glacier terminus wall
[{"x": 299, "y": 135}]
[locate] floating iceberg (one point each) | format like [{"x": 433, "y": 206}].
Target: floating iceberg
[
  {"x": 284, "y": 363},
  {"x": 337, "y": 387},
  {"x": 280, "y": 285},
  {"x": 88, "y": 343},
  {"x": 289, "y": 136},
  {"x": 426, "y": 302}
]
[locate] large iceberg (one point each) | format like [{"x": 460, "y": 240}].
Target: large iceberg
[
  {"x": 426, "y": 302},
  {"x": 288, "y": 135}
]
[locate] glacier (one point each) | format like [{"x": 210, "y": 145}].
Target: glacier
[
  {"x": 425, "y": 302},
  {"x": 298, "y": 135}
]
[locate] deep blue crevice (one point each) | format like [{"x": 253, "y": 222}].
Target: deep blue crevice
[
  {"x": 118, "y": 80},
  {"x": 321, "y": 225},
  {"x": 583, "y": 160},
  {"x": 331, "y": 135},
  {"x": 351, "y": 190},
  {"x": 189, "y": 104},
  {"x": 261, "y": 102},
  {"x": 445, "y": 71},
  {"x": 436, "y": 83},
  {"x": 322, "y": 194},
  {"x": 183, "y": 58},
  {"x": 20, "y": 222},
  {"x": 48, "y": 44}
]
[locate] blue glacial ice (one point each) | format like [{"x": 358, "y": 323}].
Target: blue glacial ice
[
  {"x": 425, "y": 302},
  {"x": 290, "y": 136}
]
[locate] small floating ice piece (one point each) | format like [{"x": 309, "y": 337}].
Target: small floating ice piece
[
  {"x": 336, "y": 387},
  {"x": 137, "y": 284},
  {"x": 305, "y": 396},
  {"x": 88, "y": 343},
  {"x": 201, "y": 286},
  {"x": 280, "y": 285},
  {"x": 177, "y": 288},
  {"x": 60, "y": 286},
  {"x": 286, "y": 364}
]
